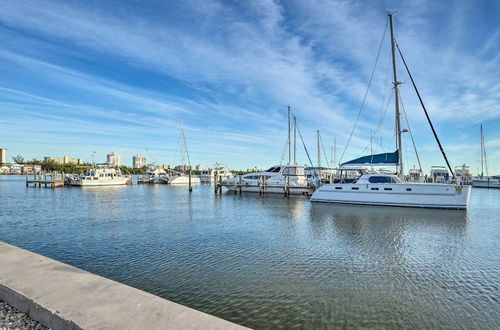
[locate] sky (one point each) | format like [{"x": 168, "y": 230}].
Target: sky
[{"x": 84, "y": 76}]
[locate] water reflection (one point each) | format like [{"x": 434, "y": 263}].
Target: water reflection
[{"x": 269, "y": 261}]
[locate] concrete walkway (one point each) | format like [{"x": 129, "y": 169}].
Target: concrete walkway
[{"x": 64, "y": 297}]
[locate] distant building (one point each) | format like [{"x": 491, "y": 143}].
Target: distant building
[
  {"x": 166, "y": 166},
  {"x": 63, "y": 160},
  {"x": 199, "y": 167},
  {"x": 183, "y": 168},
  {"x": 114, "y": 159},
  {"x": 3, "y": 156},
  {"x": 138, "y": 161}
]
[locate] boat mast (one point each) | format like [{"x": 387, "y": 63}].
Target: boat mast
[
  {"x": 319, "y": 154},
  {"x": 294, "y": 140},
  {"x": 482, "y": 152},
  {"x": 399, "y": 145},
  {"x": 289, "y": 141}
]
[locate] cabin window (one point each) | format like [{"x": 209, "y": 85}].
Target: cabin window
[
  {"x": 276, "y": 169},
  {"x": 289, "y": 171},
  {"x": 374, "y": 188},
  {"x": 355, "y": 188},
  {"x": 408, "y": 189},
  {"x": 340, "y": 188},
  {"x": 387, "y": 188},
  {"x": 381, "y": 179},
  {"x": 271, "y": 169}
]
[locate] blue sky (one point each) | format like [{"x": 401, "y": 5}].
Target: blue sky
[{"x": 83, "y": 76}]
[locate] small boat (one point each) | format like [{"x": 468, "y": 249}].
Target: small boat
[
  {"x": 209, "y": 175},
  {"x": 485, "y": 181},
  {"x": 274, "y": 180},
  {"x": 375, "y": 188},
  {"x": 176, "y": 177},
  {"x": 100, "y": 175},
  {"x": 154, "y": 174}
]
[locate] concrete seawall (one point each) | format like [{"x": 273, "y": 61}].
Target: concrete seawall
[{"x": 64, "y": 297}]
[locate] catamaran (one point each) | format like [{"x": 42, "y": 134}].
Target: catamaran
[{"x": 374, "y": 188}]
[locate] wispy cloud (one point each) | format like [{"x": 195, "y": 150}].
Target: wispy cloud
[{"x": 119, "y": 73}]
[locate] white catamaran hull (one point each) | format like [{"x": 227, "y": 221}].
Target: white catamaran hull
[{"x": 447, "y": 196}]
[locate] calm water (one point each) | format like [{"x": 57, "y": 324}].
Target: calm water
[{"x": 271, "y": 261}]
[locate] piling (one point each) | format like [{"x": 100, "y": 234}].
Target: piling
[{"x": 190, "y": 186}]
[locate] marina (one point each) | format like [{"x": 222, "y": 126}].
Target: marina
[
  {"x": 263, "y": 259},
  {"x": 343, "y": 169}
]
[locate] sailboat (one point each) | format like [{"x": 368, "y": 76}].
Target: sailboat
[
  {"x": 485, "y": 181},
  {"x": 374, "y": 188},
  {"x": 183, "y": 175}
]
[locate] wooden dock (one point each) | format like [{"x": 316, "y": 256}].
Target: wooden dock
[{"x": 47, "y": 180}]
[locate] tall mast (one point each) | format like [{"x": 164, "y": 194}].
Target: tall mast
[
  {"x": 482, "y": 152},
  {"x": 399, "y": 145},
  {"x": 289, "y": 141},
  {"x": 294, "y": 140},
  {"x": 334, "y": 151},
  {"x": 319, "y": 154}
]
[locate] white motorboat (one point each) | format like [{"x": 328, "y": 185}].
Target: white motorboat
[
  {"x": 154, "y": 174},
  {"x": 274, "y": 180},
  {"x": 487, "y": 182},
  {"x": 100, "y": 175},
  {"x": 209, "y": 175},
  {"x": 372, "y": 188},
  {"x": 177, "y": 177}
]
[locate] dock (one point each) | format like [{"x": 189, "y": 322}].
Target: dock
[{"x": 47, "y": 180}]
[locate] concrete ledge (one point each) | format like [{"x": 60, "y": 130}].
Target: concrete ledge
[{"x": 64, "y": 297}]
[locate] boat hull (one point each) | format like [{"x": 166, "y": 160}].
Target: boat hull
[
  {"x": 484, "y": 183},
  {"x": 442, "y": 196},
  {"x": 99, "y": 183},
  {"x": 183, "y": 180}
]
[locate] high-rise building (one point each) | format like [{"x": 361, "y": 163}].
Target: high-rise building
[
  {"x": 3, "y": 156},
  {"x": 63, "y": 160},
  {"x": 199, "y": 168},
  {"x": 138, "y": 161},
  {"x": 114, "y": 159}
]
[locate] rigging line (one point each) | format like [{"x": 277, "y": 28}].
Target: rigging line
[
  {"x": 366, "y": 93},
  {"x": 426, "y": 114},
  {"x": 485, "y": 160},
  {"x": 378, "y": 126},
  {"x": 324, "y": 152},
  {"x": 305, "y": 148},
  {"x": 411, "y": 133}
]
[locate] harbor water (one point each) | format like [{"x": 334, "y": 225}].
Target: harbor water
[{"x": 270, "y": 261}]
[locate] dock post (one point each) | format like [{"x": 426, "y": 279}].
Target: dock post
[
  {"x": 240, "y": 183},
  {"x": 220, "y": 185},
  {"x": 236, "y": 186},
  {"x": 215, "y": 183},
  {"x": 26, "y": 179},
  {"x": 190, "y": 186},
  {"x": 287, "y": 186}
]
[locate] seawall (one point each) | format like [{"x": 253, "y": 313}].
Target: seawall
[{"x": 61, "y": 296}]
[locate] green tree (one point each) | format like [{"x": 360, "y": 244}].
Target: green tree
[{"x": 18, "y": 159}]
